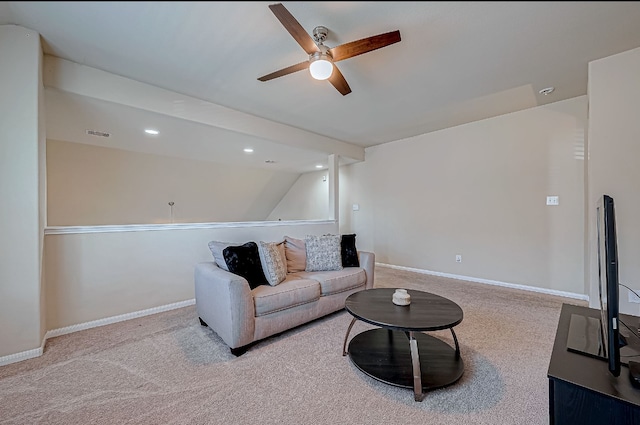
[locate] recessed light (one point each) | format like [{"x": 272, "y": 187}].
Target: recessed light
[
  {"x": 151, "y": 131},
  {"x": 547, "y": 91},
  {"x": 248, "y": 150},
  {"x": 319, "y": 166}
]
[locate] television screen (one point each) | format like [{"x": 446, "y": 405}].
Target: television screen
[{"x": 607, "y": 253}]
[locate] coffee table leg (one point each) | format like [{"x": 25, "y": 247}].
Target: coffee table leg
[
  {"x": 455, "y": 339},
  {"x": 417, "y": 374},
  {"x": 344, "y": 346}
]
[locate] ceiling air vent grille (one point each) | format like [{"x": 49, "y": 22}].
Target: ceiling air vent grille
[{"x": 98, "y": 133}]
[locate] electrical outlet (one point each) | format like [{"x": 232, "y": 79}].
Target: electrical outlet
[
  {"x": 458, "y": 258},
  {"x": 553, "y": 200},
  {"x": 633, "y": 298}
]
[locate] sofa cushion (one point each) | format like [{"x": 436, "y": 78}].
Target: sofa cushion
[
  {"x": 333, "y": 282},
  {"x": 323, "y": 253},
  {"x": 349, "y": 251},
  {"x": 274, "y": 264},
  {"x": 296, "y": 254},
  {"x": 291, "y": 292},
  {"x": 244, "y": 260}
]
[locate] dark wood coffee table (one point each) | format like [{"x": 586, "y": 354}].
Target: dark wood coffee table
[{"x": 398, "y": 353}]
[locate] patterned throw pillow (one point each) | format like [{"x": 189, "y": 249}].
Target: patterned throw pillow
[
  {"x": 273, "y": 262},
  {"x": 323, "y": 253}
]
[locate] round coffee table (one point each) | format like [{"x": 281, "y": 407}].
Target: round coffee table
[{"x": 399, "y": 353}]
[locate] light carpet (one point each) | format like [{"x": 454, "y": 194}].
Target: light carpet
[{"x": 167, "y": 369}]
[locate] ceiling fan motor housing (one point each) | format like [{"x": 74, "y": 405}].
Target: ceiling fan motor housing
[{"x": 322, "y": 53}]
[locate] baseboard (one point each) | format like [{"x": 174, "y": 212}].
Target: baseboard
[
  {"x": 491, "y": 282},
  {"x": 36, "y": 352},
  {"x": 23, "y": 355}
]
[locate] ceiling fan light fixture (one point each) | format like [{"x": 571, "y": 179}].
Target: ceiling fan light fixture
[
  {"x": 321, "y": 58},
  {"x": 320, "y": 65}
]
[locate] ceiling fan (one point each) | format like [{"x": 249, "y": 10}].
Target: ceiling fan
[{"x": 322, "y": 59}]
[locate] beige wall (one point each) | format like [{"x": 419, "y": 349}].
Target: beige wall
[
  {"x": 355, "y": 189},
  {"x": 91, "y": 185},
  {"x": 92, "y": 276},
  {"x": 20, "y": 180},
  {"x": 614, "y": 168},
  {"x": 480, "y": 190},
  {"x": 308, "y": 199}
]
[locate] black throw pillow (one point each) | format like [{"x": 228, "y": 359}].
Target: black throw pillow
[
  {"x": 348, "y": 251},
  {"x": 244, "y": 260}
]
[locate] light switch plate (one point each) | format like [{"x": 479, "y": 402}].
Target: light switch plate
[{"x": 356, "y": 207}]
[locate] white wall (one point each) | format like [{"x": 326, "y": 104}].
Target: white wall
[
  {"x": 92, "y": 276},
  {"x": 308, "y": 199},
  {"x": 614, "y": 168},
  {"x": 92, "y": 185},
  {"x": 20, "y": 180},
  {"x": 479, "y": 190}
]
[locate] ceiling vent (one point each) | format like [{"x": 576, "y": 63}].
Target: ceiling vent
[{"x": 98, "y": 133}]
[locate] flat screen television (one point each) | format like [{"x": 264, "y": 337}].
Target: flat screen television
[
  {"x": 603, "y": 338},
  {"x": 608, "y": 282}
]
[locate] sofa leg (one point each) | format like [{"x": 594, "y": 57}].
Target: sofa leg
[
  {"x": 202, "y": 322},
  {"x": 239, "y": 351}
]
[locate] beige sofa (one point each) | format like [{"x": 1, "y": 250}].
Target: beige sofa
[{"x": 242, "y": 316}]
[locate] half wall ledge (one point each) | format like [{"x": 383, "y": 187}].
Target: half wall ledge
[{"x": 68, "y": 230}]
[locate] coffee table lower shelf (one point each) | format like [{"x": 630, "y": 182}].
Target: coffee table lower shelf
[{"x": 385, "y": 355}]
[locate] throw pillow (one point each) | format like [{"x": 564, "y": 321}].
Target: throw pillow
[
  {"x": 283, "y": 255},
  {"x": 323, "y": 253},
  {"x": 273, "y": 262},
  {"x": 244, "y": 260},
  {"x": 349, "y": 251},
  {"x": 216, "y": 250},
  {"x": 296, "y": 254}
]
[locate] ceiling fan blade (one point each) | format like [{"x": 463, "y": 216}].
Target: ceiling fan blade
[
  {"x": 285, "y": 71},
  {"x": 358, "y": 47},
  {"x": 338, "y": 81},
  {"x": 295, "y": 29}
]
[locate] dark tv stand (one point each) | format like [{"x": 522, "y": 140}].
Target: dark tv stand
[{"x": 581, "y": 389}]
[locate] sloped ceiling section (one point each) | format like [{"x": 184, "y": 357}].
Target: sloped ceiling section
[{"x": 81, "y": 98}]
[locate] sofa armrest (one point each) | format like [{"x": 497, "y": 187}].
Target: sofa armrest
[
  {"x": 225, "y": 303},
  {"x": 367, "y": 262}
]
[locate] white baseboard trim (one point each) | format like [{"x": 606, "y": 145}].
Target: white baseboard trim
[
  {"x": 116, "y": 319},
  {"x": 23, "y": 355},
  {"x": 491, "y": 282},
  {"x": 36, "y": 352}
]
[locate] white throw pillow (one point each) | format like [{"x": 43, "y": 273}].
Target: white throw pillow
[
  {"x": 274, "y": 264},
  {"x": 216, "y": 250},
  {"x": 323, "y": 253}
]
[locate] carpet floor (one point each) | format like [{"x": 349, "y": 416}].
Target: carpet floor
[{"x": 167, "y": 369}]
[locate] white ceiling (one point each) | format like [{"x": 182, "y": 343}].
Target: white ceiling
[{"x": 457, "y": 62}]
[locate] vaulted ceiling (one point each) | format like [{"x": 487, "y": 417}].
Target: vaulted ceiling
[{"x": 457, "y": 62}]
